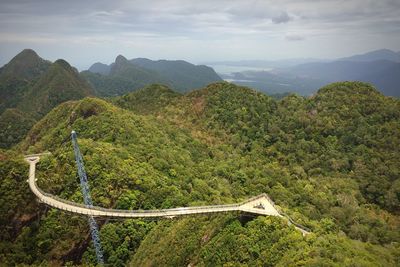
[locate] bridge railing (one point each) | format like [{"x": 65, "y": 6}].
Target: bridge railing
[
  {"x": 161, "y": 211},
  {"x": 302, "y": 227},
  {"x": 81, "y": 205},
  {"x": 207, "y": 207},
  {"x": 257, "y": 197}
]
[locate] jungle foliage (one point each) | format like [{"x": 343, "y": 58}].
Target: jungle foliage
[{"x": 330, "y": 161}]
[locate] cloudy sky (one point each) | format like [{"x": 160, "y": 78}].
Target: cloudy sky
[{"x": 84, "y": 32}]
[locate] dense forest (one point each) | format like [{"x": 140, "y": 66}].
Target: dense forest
[{"x": 330, "y": 161}]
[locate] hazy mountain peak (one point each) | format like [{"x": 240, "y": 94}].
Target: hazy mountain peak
[
  {"x": 63, "y": 63},
  {"x": 27, "y": 53},
  {"x": 26, "y": 58},
  {"x": 120, "y": 59},
  {"x": 100, "y": 68},
  {"x": 26, "y": 65}
]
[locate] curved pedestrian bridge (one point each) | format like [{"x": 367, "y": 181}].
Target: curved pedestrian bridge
[{"x": 259, "y": 205}]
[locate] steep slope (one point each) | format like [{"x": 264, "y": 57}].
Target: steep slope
[
  {"x": 18, "y": 208},
  {"x": 14, "y": 124},
  {"x": 264, "y": 241}
]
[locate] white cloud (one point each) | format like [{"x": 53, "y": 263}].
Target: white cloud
[
  {"x": 233, "y": 29},
  {"x": 293, "y": 37}
]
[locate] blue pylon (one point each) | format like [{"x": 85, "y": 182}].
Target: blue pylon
[{"x": 94, "y": 229}]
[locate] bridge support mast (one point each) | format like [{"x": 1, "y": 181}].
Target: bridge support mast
[{"x": 94, "y": 229}]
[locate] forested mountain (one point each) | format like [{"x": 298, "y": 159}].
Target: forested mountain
[
  {"x": 29, "y": 88},
  {"x": 124, "y": 75},
  {"x": 16, "y": 77},
  {"x": 100, "y": 68},
  {"x": 330, "y": 161},
  {"x": 58, "y": 84}
]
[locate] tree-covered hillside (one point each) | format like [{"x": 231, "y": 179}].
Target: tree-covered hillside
[
  {"x": 330, "y": 161},
  {"x": 14, "y": 124},
  {"x": 16, "y": 77},
  {"x": 148, "y": 100}
]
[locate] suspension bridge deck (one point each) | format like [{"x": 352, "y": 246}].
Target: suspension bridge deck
[{"x": 259, "y": 205}]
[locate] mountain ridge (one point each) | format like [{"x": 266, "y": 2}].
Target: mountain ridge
[{"x": 125, "y": 75}]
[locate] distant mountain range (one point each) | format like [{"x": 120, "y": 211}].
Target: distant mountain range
[
  {"x": 382, "y": 54},
  {"x": 31, "y": 86},
  {"x": 381, "y": 68},
  {"x": 383, "y": 74},
  {"x": 264, "y": 64},
  {"x": 124, "y": 75}
]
